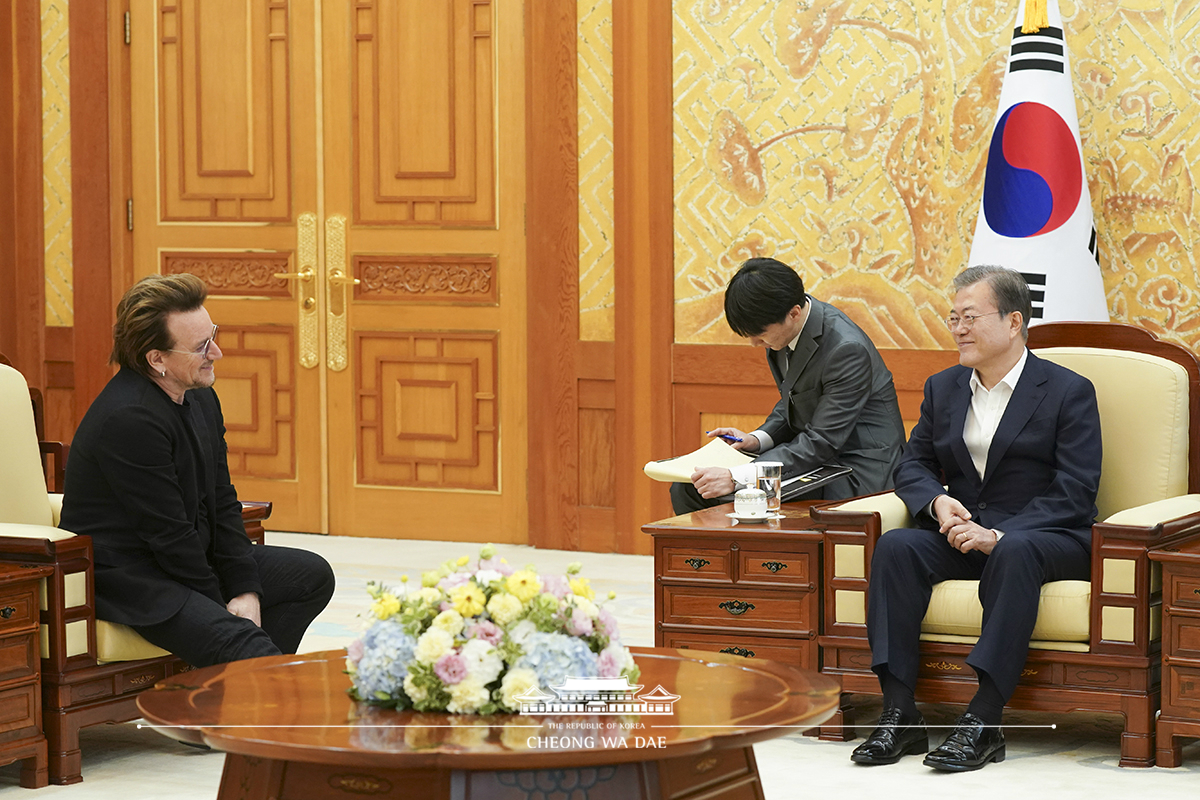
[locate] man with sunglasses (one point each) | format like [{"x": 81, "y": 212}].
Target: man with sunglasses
[
  {"x": 1001, "y": 474},
  {"x": 148, "y": 480}
]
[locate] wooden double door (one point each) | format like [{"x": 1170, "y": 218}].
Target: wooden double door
[{"x": 349, "y": 180}]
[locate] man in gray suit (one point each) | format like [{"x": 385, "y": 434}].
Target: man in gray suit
[{"x": 837, "y": 401}]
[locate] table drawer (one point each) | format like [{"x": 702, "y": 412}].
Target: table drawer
[
  {"x": 785, "y": 569},
  {"x": 680, "y": 776},
  {"x": 1182, "y": 591},
  {"x": 18, "y": 657},
  {"x": 18, "y": 609},
  {"x": 1183, "y": 637},
  {"x": 795, "y": 652},
  {"x": 19, "y": 711},
  {"x": 696, "y": 562},
  {"x": 1181, "y": 691},
  {"x": 734, "y": 608}
]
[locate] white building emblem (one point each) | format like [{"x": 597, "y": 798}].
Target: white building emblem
[{"x": 596, "y": 696}]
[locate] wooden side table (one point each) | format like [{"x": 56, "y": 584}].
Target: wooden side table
[
  {"x": 746, "y": 589},
  {"x": 21, "y": 737},
  {"x": 1180, "y": 715}
]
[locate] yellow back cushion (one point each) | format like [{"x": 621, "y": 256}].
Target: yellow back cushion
[
  {"x": 23, "y": 497},
  {"x": 1143, "y": 402}
]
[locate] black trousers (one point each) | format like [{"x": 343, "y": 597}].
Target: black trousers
[
  {"x": 908, "y": 562},
  {"x": 297, "y": 585}
]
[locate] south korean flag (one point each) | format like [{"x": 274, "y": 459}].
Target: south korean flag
[{"x": 1036, "y": 214}]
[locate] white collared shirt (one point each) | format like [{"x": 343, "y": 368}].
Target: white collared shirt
[{"x": 986, "y": 409}]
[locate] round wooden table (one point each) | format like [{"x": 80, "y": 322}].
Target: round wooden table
[{"x": 290, "y": 731}]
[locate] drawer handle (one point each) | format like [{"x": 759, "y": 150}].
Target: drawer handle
[
  {"x": 738, "y": 651},
  {"x": 736, "y": 607},
  {"x": 7, "y": 611},
  {"x": 696, "y": 563},
  {"x": 774, "y": 566},
  {"x": 1195, "y": 591}
]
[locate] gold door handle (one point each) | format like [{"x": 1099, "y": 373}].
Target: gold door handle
[
  {"x": 338, "y": 279},
  {"x": 306, "y": 274}
]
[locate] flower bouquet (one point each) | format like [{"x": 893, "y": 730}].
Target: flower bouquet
[{"x": 473, "y": 637}]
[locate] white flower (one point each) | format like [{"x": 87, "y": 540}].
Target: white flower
[
  {"x": 483, "y": 662},
  {"x": 467, "y": 696},
  {"x": 521, "y": 631},
  {"x": 428, "y": 594},
  {"x": 516, "y": 681},
  {"x": 585, "y": 605},
  {"x": 414, "y": 692},
  {"x": 485, "y": 576},
  {"x": 450, "y": 621},
  {"x": 504, "y": 608},
  {"x": 433, "y": 644}
]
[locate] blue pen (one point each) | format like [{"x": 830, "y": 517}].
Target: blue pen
[{"x": 727, "y": 437}]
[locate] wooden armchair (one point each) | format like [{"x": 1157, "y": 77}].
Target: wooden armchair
[
  {"x": 1096, "y": 646},
  {"x": 92, "y": 670}
]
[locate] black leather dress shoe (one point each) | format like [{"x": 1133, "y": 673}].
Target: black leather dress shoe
[
  {"x": 892, "y": 740},
  {"x": 971, "y": 745}
]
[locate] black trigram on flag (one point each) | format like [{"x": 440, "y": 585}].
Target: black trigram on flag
[
  {"x": 1094, "y": 248},
  {"x": 1042, "y": 50},
  {"x": 1037, "y": 292}
]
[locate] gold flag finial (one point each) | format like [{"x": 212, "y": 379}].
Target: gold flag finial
[{"x": 1036, "y": 16}]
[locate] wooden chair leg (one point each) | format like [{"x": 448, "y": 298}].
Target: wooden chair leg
[
  {"x": 839, "y": 727},
  {"x": 62, "y": 737}
]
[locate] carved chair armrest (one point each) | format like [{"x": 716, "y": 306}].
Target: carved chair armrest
[
  {"x": 1124, "y": 616},
  {"x": 54, "y": 475}
]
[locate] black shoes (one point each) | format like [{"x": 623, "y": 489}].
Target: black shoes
[
  {"x": 972, "y": 745},
  {"x": 893, "y": 739}
]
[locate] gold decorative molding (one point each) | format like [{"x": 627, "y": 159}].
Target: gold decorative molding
[
  {"x": 943, "y": 666},
  {"x": 427, "y": 279},
  {"x": 233, "y": 273}
]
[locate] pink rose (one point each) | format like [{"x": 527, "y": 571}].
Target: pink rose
[
  {"x": 495, "y": 563},
  {"x": 354, "y": 651},
  {"x": 556, "y": 585},
  {"x": 609, "y": 663},
  {"x": 580, "y": 624},
  {"x": 488, "y": 631},
  {"x": 453, "y": 580},
  {"x": 451, "y": 668},
  {"x": 606, "y": 624}
]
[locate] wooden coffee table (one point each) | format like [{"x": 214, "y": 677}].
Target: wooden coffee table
[{"x": 290, "y": 731}]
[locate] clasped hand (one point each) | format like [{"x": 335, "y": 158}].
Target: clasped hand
[
  {"x": 713, "y": 482},
  {"x": 954, "y": 521}
]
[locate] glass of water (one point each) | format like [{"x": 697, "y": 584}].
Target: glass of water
[{"x": 770, "y": 479}]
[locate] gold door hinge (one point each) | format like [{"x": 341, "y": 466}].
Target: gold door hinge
[{"x": 126, "y": 27}]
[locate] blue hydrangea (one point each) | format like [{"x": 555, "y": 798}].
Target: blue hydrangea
[
  {"x": 554, "y": 657},
  {"x": 387, "y": 652}
]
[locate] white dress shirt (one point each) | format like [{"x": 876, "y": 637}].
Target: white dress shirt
[{"x": 983, "y": 417}]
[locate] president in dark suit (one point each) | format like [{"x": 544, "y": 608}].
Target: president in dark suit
[
  {"x": 148, "y": 480},
  {"x": 837, "y": 402},
  {"x": 1001, "y": 472}
]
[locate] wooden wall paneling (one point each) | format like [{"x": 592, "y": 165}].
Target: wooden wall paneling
[
  {"x": 99, "y": 186},
  {"x": 694, "y": 400},
  {"x": 60, "y": 383},
  {"x": 644, "y": 256},
  {"x": 552, "y": 255},
  {"x": 22, "y": 252}
]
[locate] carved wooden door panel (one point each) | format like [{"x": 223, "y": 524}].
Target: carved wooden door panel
[{"x": 372, "y": 152}]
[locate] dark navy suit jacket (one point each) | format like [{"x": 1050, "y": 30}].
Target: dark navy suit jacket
[{"x": 1043, "y": 467}]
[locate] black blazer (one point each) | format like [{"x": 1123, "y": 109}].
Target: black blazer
[
  {"x": 1043, "y": 468},
  {"x": 148, "y": 480},
  {"x": 837, "y": 405}
]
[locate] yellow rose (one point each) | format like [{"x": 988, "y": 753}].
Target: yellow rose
[
  {"x": 386, "y": 606},
  {"x": 504, "y": 608},
  {"x": 468, "y": 600},
  {"x": 583, "y": 588},
  {"x": 462, "y": 561},
  {"x": 524, "y": 584}
]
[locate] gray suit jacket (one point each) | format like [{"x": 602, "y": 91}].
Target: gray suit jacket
[{"x": 837, "y": 406}]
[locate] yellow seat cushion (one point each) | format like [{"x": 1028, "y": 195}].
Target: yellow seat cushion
[
  {"x": 1064, "y": 614},
  {"x": 116, "y": 642}
]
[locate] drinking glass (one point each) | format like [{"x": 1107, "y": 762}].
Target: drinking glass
[{"x": 770, "y": 480}]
